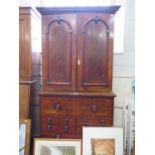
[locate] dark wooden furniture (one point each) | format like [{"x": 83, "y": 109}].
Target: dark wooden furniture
[
  {"x": 77, "y": 62},
  {"x": 29, "y": 30},
  {"x": 29, "y": 55}
]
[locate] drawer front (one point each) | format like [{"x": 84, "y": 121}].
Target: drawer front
[
  {"x": 93, "y": 121},
  {"x": 56, "y": 105},
  {"x": 55, "y": 124},
  {"x": 93, "y": 107},
  {"x": 62, "y": 135}
]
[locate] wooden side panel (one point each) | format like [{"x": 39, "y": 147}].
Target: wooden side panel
[
  {"x": 24, "y": 48},
  {"x": 94, "y": 57},
  {"x": 35, "y": 45},
  {"x": 24, "y": 100},
  {"x": 29, "y": 44},
  {"x": 59, "y": 47}
]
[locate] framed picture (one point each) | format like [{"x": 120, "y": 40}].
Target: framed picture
[
  {"x": 24, "y": 136},
  {"x": 44, "y": 146},
  {"x": 102, "y": 141}
]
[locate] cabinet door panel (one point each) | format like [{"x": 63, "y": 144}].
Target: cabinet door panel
[
  {"x": 95, "y": 52},
  {"x": 59, "y": 52}
]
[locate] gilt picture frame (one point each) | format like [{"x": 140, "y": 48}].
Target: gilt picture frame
[
  {"x": 49, "y": 146},
  {"x": 24, "y": 136},
  {"x": 102, "y": 141}
]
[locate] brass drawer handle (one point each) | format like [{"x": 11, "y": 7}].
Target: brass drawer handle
[
  {"x": 102, "y": 122},
  {"x": 66, "y": 128},
  {"x": 93, "y": 108},
  {"x": 49, "y": 120},
  {"x": 66, "y": 121},
  {"x": 85, "y": 121},
  {"x": 57, "y": 106},
  {"x": 49, "y": 127}
]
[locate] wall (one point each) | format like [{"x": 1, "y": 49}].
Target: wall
[{"x": 124, "y": 66}]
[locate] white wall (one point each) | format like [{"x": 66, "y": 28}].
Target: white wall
[{"x": 124, "y": 66}]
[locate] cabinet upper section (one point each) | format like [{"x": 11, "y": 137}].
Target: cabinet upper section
[
  {"x": 77, "y": 48},
  {"x": 29, "y": 43}
]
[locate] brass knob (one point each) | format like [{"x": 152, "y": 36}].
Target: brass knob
[{"x": 57, "y": 136}]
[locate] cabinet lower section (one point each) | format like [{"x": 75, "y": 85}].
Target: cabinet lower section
[{"x": 64, "y": 116}]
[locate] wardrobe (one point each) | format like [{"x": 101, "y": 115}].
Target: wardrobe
[
  {"x": 77, "y": 69},
  {"x": 29, "y": 65}
]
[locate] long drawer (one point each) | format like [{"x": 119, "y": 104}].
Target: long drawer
[{"x": 76, "y": 106}]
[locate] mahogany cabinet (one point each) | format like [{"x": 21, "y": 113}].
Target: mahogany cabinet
[
  {"x": 29, "y": 55},
  {"x": 77, "y": 67}
]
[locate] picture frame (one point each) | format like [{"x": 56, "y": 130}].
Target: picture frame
[
  {"x": 24, "y": 136},
  {"x": 102, "y": 141},
  {"x": 57, "y": 146}
]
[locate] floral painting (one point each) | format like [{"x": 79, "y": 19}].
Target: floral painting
[
  {"x": 102, "y": 141},
  {"x": 103, "y": 146}
]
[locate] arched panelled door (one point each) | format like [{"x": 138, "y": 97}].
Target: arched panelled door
[
  {"x": 59, "y": 49},
  {"x": 94, "y": 52}
]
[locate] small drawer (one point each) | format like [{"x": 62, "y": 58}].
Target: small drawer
[
  {"x": 93, "y": 107},
  {"x": 56, "y": 105},
  {"x": 93, "y": 121},
  {"x": 55, "y": 124}
]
